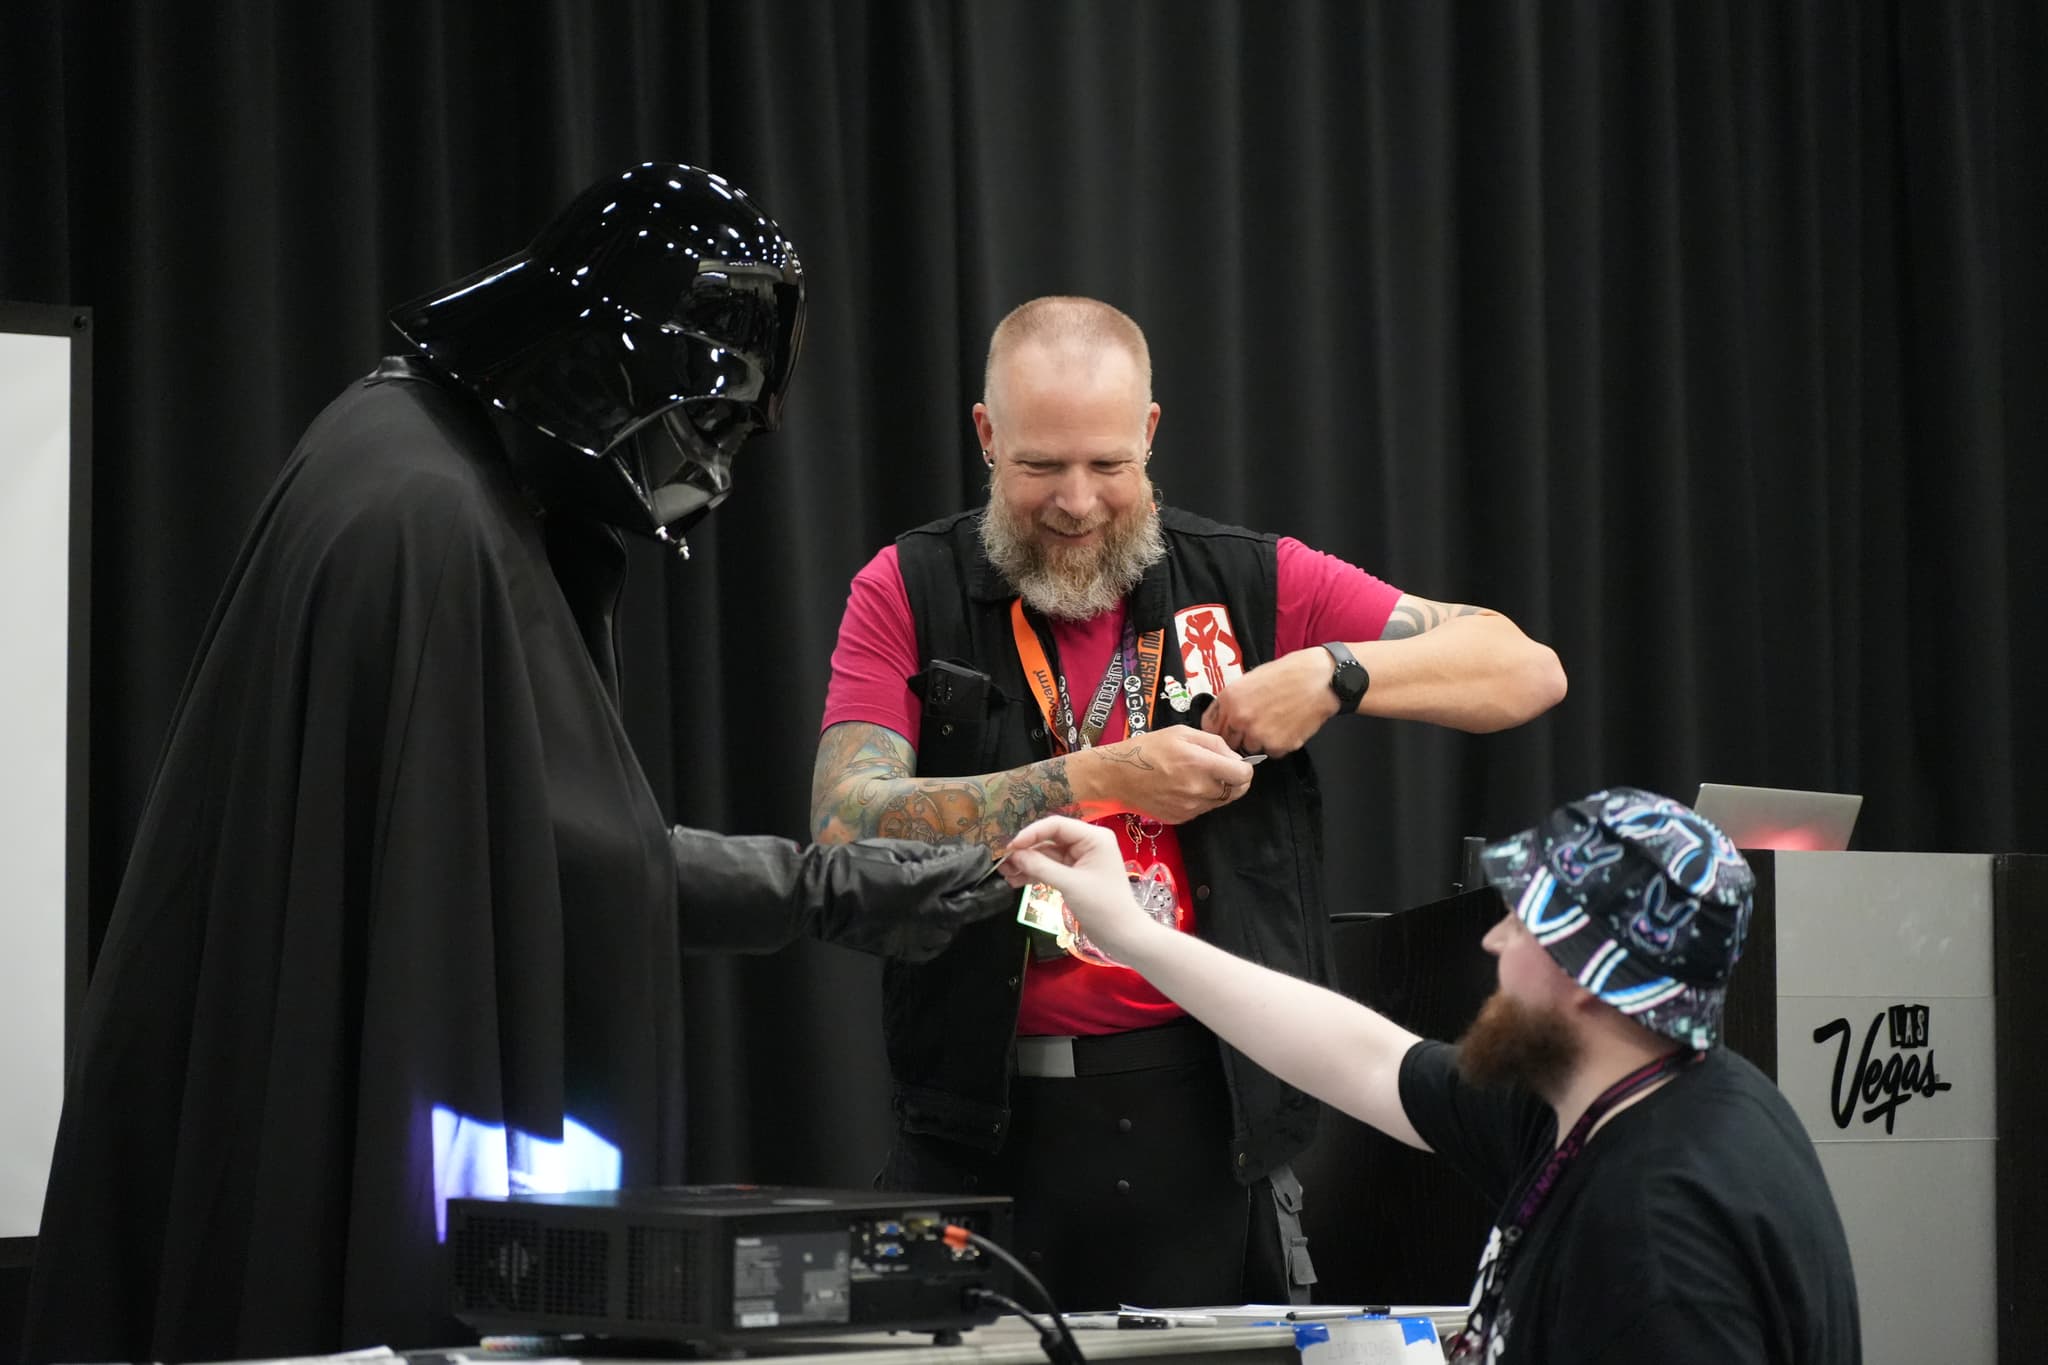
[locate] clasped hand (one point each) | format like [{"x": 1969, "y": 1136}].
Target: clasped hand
[
  {"x": 1177, "y": 773},
  {"x": 1277, "y": 707}
]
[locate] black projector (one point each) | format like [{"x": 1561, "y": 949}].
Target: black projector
[{"x": 721, "y": 1263}]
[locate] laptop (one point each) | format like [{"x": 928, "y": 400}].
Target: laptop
[{"x": 1778, "y": 818}]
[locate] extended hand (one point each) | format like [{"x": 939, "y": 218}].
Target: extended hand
[
  {"x": 1084, "y": 863},
  {"x": 1175, "y": 774},
  {"x": 1276, "y": 707},
  {"x": 902, "y": 898},
  {"x": 755, "y": 893}
]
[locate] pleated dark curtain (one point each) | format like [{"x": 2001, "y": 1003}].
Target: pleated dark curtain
[{"x": 1705, "y": 339}]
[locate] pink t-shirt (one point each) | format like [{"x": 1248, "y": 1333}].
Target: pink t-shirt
[{"x": 1320, "y": 598}]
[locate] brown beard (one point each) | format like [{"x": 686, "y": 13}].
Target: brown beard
[
  {"x": 1511, "y": 1043},
  {"x": 1071, "y": 583}
]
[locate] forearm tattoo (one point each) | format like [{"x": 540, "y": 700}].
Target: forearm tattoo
[
  {"x": 1130, "y": 755},
  {"x": 863, "y": 787},
  {"x": 1419, "y": 615}
]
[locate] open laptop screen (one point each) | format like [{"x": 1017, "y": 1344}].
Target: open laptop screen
[{"x": 1775, "y": 817}]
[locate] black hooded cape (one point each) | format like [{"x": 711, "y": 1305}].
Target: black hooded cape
[{"x": 398, "y": 857}]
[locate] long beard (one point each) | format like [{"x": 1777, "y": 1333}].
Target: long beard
[
  {"x": 1068, "y": 582},
  {"x": 1515, "y": 1044}
]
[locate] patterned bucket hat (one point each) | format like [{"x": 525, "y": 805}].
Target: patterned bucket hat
[{"x": 1643, "y": 901}]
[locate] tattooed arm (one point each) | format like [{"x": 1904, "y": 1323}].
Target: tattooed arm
[
  {"x": 1441, "y": 662},
  {"x": 865, "y": 785},
  {"x": 1457, "y": 665}
]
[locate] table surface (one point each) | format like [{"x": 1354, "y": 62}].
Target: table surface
[
  {"x": 1010, "y": 1339},
  {"x": 1007, "y": 1341}
]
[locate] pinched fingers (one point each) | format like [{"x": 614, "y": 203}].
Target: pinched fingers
[{"x": 1064, "y": 840}]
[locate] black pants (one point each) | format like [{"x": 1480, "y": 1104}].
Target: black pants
[{"x": 1123, "y": 1187}]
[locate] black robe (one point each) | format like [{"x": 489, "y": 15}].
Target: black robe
[{"x": 398, "y": 856}]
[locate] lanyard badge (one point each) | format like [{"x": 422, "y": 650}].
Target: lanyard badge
[{"x": 1133, "y": 672}]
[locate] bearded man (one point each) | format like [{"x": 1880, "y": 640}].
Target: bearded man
[
  {"x": 1075, "y": 648},
  {"x": 1659, "y": 1200}
]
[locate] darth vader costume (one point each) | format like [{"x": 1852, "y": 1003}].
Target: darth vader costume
[{"x": 402, "y": 919}]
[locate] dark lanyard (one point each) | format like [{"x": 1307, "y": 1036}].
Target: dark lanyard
[
  {"x": 1486, "y": 1304},
  {"x": 1133, "y": 669}
]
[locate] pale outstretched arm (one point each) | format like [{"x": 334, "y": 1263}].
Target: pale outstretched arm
[{"x": 1314, "y": 1039}]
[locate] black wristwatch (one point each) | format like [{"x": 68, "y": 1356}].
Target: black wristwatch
[{"x": 1350, "y": 679}]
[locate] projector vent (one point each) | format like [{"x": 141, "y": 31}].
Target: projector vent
[
  {"x": 497, "y": 1264},
  {"x": 573, "y": 1272},
  {"x": 661, "y": 1284}
]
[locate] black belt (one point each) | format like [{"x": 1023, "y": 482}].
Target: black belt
[{"x": 1054, "y": 1056}]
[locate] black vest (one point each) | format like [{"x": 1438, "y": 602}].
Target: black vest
[{"x": 1255, "y": 865}]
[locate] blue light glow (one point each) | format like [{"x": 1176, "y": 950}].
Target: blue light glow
[{"x": 476, "y": 1158}]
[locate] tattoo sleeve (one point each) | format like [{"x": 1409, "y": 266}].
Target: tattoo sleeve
[
  {"x": 1418, "y": 615},
  {"x": 864, "y": 786}
]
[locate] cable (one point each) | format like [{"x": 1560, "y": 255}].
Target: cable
[
  {"x": 1058, "y": 1351},
  {"x": 976, "y": 1293},
  {"x": 1060, "y": 1347},
  {"x": 959, "y": 1238}
]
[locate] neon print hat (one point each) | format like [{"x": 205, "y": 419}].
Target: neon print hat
[{"x": 1643, "y": 901}]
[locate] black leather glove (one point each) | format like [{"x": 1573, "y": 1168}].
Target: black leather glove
[{"x": 895, "y": 897}]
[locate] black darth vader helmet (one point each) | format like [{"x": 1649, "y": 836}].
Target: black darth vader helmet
[{"x": 649, "y": 329}]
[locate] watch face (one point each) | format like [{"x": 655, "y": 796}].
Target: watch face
[
  {"x": 1348, "y": 682},
  {"x": 1348, "y": 678}
]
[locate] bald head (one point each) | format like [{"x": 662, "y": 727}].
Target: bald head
[
  {"x": 1071, "y": 331},
  {"x": 1065, "y": 426}
]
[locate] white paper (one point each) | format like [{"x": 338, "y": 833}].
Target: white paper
[{"x": 35, "y": 577}]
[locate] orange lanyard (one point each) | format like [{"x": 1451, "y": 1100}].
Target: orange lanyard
[{"x": 1140, "y": 678}]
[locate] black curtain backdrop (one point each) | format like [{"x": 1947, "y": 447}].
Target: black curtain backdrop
[{"x": 1705, "y": 339}]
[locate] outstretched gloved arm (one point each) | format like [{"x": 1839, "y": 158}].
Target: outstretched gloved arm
[{"x": 894, "y": 897}]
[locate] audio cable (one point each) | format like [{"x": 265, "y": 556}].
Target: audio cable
[{"x": 1056, "y": 1340}]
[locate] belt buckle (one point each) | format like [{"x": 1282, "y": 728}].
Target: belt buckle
[{"x": 1047, "y": 1057}]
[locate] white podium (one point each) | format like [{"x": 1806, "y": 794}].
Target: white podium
[{"x": 1894, "y": 997}]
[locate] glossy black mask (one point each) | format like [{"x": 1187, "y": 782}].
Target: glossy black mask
[{"x": 649, "y": 329}]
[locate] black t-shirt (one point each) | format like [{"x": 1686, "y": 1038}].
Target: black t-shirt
[{"x": 1695, "y": 1226}]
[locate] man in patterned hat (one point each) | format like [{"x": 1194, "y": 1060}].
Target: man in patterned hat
[{"x": 1658, "y": 1197}]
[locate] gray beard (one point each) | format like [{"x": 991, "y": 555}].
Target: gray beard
[{"x": 1071, "y": 587}]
